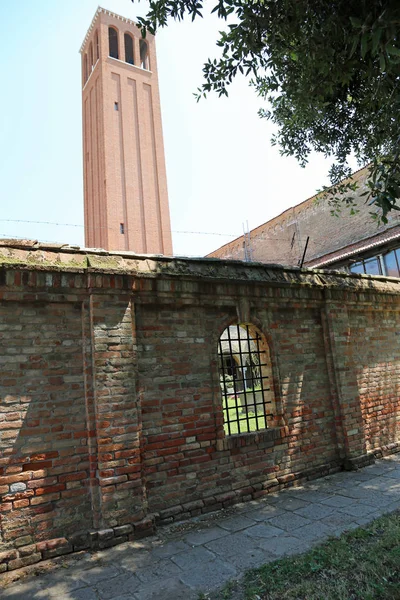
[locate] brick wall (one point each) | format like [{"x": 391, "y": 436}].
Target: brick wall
[{"x": 111, "y": 417}]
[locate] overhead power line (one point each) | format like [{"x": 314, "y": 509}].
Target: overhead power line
[
  {"x": 236, "y": 235},
  {"x": 81, "y": 226}
]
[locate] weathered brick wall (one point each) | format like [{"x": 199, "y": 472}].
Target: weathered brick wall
[
  {"x": 375, "y": 363},
  {"x": 110, "y": 410},
  {"x": 44, "y": 454}
]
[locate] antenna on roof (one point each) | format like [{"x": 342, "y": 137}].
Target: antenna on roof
[
  {"x": 304, "y": 253},
  {"x": 248, "y": 253}
]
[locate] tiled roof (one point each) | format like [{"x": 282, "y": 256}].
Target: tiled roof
[{"x": 375, "y": 241}]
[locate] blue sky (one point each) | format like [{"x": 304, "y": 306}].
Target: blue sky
[{"x": 221, "y": 168}]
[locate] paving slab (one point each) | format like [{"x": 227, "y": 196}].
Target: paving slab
[
  {"x": 210, "y": 576},
  {"x": 250, "y": 559},
  {"x": 292, "y": 503},
  {"x": 107, "y": 590},
  {"x": 236, "y": 523},
  {"x": 198, "y": 538},
  {"x": 158, "y": 571},
  {"x": 86, "y": 593},
  {"x": 338, "y": 501},
  {"x": 98, "y": 573},
  {"x": 169, "y": 549},
  {"x": 193, "y": 558},
  {"x": 339, "y": 522},
  {"x": 314, "y": 531},
  {"x": 263, "y": 530},
  {"x": 284, "y": 546},
  {"x": 266, "y": 512},
  {"x": 358, "y": 510},
  {"x": 307, "y": 495},
  {"x": 289, "y": 521},
  {"x": 169, "y": 589},
  {"x": 315, "y": 511},
  {"x": 232, "y": 545}
]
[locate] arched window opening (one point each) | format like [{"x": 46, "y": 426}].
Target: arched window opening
[
  {"x": 245, "y": 379},
  {"x": 128, "y": 39},
  {"x": 144, "y": 55},
  {"x": 91, "y": 61},
  {"x": 85, "y": 68},
  {"x": 96, "y": 44},
  {"x": 113, "y": 42}
]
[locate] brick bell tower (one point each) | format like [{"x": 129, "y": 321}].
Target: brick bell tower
[{"x": 125, "y": 183}]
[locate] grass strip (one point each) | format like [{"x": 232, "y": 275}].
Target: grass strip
[{"x": 363, "y": 564}]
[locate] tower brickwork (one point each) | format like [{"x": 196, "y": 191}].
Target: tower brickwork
[{"x": 125, "y": 183}]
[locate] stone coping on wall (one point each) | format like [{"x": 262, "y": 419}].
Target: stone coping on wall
[{"x": 35, "y": 256}]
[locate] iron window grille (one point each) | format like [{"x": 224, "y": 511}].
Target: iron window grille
[{"x": 245, "y": 382}]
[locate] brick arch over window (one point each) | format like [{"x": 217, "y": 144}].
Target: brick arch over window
[
  {"x": 113, "y": 42},
  {"x": 245, "y": 376}
]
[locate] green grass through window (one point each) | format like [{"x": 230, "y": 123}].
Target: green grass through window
[{"x": 236, "y": 416}]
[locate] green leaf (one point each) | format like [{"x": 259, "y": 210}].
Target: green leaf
[
  {"x": 390, "y": 49},
  {"x": 376, "y": 38},
  {"x": 357, "y": 23},
  {"x": 354, "y": 46},
  {"x": 364, "y": 45}
]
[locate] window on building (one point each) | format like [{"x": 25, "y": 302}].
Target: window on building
[
  {"x": 113, "y": 42},
  {"x": 116, "y": 107},
  {"x": 144, "y": 55},
  {"x": 121, "y": 228},
  {"x": 392, "y": 263},
  {"x": 91, "y": 62},
  {"x": 370, "y": 266},
  {"x": 96, "y": 44},
  {"x": 128, "y": 39},
  {"x": 245, "y": 379}
]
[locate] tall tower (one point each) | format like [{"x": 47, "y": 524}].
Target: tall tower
[{"x": 125, "y": 182}]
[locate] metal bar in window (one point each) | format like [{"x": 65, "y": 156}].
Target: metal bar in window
[
  {"x": 261, "y": 384},
  {"x": 225, "y": 391},
  {"x": 234, "y": 381},
  {"x": 244, "y": 383}
]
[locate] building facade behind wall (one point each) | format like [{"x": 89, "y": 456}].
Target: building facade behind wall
[
  {"x": 353, "y": 242},
  {"x": 125, "y": 184}
]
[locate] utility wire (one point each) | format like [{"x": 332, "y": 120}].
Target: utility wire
[
  {"x": 173, "y": 231},
  {"x": 81, "y": 226}
]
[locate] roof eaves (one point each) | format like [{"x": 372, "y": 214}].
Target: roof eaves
[{"x": 319, "y": 263}]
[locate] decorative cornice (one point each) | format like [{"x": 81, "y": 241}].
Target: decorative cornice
[{"x": 106, "y": 12}]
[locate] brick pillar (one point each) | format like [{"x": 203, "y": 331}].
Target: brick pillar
[
  {"x": 349, "y": 421},
  {"x": 118, "y": 425}
]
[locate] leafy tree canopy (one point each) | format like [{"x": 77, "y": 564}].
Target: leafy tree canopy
[{"x": 330, "y": 71}]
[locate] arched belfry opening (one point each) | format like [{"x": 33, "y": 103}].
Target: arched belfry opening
[
  {"x": 144, "y": 55},
  {"x": 113, "y": 42},
  {"x": 245, "y": 377},
  {"x": 85, "y": 68},
  {"x": 129, "y": 56},
  {"x": 96, "y": 45},
  {"x": 91, "y": 61}
]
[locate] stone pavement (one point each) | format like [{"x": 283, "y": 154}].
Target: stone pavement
[{"x": 203, "y": 554}]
